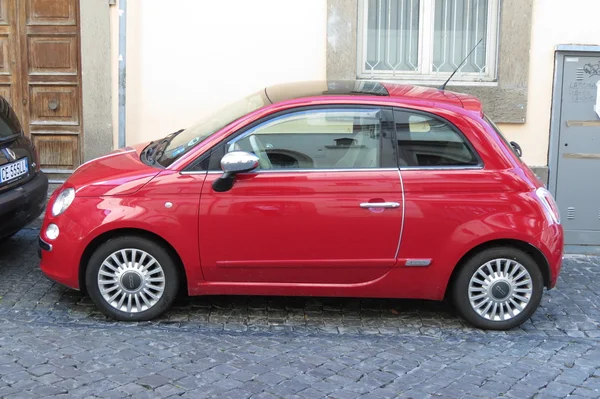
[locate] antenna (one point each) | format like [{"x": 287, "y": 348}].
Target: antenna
[{"x": 443, "y": 87}]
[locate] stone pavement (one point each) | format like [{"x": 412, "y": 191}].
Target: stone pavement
[{"x": 54, "y": 343}]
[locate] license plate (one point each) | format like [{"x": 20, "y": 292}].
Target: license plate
[{"x": 13, "y": 170}]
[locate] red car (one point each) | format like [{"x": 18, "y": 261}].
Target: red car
[{"x": 353, "y": 189}]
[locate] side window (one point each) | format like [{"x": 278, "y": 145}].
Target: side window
[
  {"x": 427, "y": 141},
  {"x": 318, "y": 139},
  {"x": 208, "y": 162}
]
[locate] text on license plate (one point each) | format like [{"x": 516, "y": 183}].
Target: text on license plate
[{"x": 13, "y": 170}]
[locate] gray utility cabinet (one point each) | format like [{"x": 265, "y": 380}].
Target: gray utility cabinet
[{"x": 574, "y": 156}]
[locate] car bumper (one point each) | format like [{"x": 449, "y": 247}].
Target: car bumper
[
  {"x": 22, "y": 205},
  {"x": 60, "y": 258},
  {"x": 553, "y": 241}
]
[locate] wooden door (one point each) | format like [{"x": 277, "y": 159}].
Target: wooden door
[{"x": 40, "y": 75}]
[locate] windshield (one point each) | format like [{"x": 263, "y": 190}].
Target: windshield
[{"x": 183, "y": 142}]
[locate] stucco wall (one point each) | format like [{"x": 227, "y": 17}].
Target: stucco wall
[
  {"x": 96, "y": 78},
  {"x": 186, "y": 58},
  {"x": 554, "y": 22},
  {"x": 190, "y": 57}
]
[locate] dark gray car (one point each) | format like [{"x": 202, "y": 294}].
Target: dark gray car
[{"x": 23, "y": 187}]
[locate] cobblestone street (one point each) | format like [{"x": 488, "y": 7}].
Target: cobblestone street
[{"x": 53, "y": 342}]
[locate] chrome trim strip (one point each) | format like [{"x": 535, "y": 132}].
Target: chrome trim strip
[
  {"x": 478, "y": 167},
  {"x": 325, "y": 170},
  {"x": 212, "y": 172},
  {"x": 380, "y": 205},
  {"x": 418, "y": 262},
  {"x": 194, "y": 172},
  {"x": 403, "y": 213}
]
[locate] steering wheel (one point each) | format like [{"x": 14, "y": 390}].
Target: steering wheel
[{"x": 261, "y": 153}]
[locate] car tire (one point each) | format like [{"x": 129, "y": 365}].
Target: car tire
[
  {"x": 139, "y": 273},
  {"x": 498, "y": 289}
]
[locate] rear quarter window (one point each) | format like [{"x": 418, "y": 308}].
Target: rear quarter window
[{"x": 425, "y": 140}]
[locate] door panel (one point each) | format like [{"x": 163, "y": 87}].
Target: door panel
[
  {"x": 54, "y": 105},
  {"x": 51, "y": 12},
  {"x": 5, "y": 12},
  {"x": 300, "y": 227},
  {"x": 61, "y": 151},
  {"x": 53, "y": 55},
  {"x": 579, "y": 152},
  {"x": 5, "y": 67}
]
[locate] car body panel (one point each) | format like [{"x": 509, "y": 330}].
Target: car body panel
[
  {"x": 459, "y": 210},
  {"x": 118, "y": 173},
  {"x": 144, "y": 212},
  {"x": 445, "y": 213},
  {"x": 301, "y": 227},
  {"x": 65, "y": 252}
]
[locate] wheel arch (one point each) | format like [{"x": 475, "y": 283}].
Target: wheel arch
[
  {"x": 97, "y": 241},
  {"x": 529, "y": 249}
]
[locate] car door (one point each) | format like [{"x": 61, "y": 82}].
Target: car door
[{"x": 325, "y": 205}]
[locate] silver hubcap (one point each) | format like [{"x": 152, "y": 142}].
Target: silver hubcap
[
  {"x": 131, "y": 280},
  {"x": 500, "y": 289}
]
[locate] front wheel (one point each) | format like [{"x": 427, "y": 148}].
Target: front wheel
[
  {"x": 498, "y": 289},
  {"x": 132, "y": 278}
]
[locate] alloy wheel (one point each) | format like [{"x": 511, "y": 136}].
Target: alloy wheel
[
  {"x": 131, "y": 280},
  {"x": 500, "y": 289}
]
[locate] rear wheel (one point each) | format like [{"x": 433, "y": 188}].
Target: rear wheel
[
  {"x": 132, "y": 278},
  {"x": 498, "y": 289}
]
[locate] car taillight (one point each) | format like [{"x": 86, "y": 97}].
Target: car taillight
[{"x": 549, "y": 204}]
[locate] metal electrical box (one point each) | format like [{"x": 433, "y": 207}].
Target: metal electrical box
[{"x": 575, "y": 143}]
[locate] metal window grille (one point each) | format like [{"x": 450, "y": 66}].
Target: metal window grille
[{"x": 428, "y": 39}]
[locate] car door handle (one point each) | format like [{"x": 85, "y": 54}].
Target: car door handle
[{"x": 379, "y": 205}]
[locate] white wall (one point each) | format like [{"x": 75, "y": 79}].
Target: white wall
[
  {"x": 186, "y": 58},
  {"x": 554, "y": 22}
]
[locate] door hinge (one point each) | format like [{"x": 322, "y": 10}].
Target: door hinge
[{"x": 112, "y": 2}]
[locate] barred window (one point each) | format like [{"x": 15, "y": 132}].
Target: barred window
[{"x": 428, "y": 39}]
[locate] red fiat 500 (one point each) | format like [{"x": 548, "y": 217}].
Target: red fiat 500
[{"x": 354, "y": 189}]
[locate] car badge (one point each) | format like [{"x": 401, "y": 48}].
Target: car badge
[{"x": 9, "y": 154}]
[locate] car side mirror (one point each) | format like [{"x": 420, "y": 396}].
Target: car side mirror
[{"x": 233, "y": 163}]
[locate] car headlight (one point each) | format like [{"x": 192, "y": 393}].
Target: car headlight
[{"x": 63, "y": 201}]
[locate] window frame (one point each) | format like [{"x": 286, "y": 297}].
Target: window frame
[
  {"x": 425, "y": 71},
  {"x": 208, "y": 162},
  {"x": 453, "y": 127}
]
